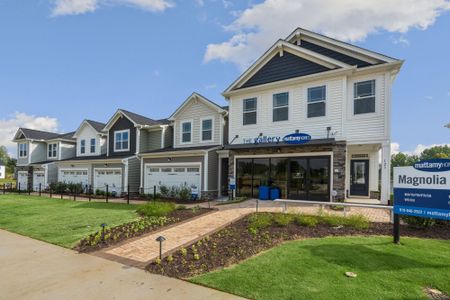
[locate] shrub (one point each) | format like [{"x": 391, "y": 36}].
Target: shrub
[
  {"x": 283, "y": 219},
  {"x": 164, "y": 190},
  {"x": 304, "y": 220},
  {"x": 418, "y": 222},
  {"x": 259, "y": 221},
  {"x": 332, "y": 220},
  {"x": 99, "y": 192},
  {"x": 357, "y": 222},
  {"x": 184, "y": 193},
  {"x": 157, "y": 209}
]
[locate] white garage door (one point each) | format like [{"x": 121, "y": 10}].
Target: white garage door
[
  {"x": 171, "y": 176},
  {"x": 22, "y": 180},
  {"x": 38, "y": 178},
  {"x": 74, "y": 176},
  {"x": 110, "y": 177}
]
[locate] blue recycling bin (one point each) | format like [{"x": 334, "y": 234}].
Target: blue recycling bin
[
  {"x": 264, "y": 192},
  {"x": 275, "y": 193}
]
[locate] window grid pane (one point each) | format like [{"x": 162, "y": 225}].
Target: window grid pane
[
  {"x": 364, "y": 94},
  {"x": 280, "y": 107},
  {"x": 317, "y": 94},
  {"x": 249, "y": 111}
]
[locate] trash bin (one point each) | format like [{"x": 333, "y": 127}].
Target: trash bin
[
  {"x": 264, "y": 192},
  {"x": 275, "y": 193}
]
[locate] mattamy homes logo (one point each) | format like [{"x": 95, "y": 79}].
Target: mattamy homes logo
[{"x": 433, "y": 165}]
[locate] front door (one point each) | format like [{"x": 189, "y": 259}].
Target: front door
[
  {"x": 359, "y": 178},
  {"x": 299, "y": 179}
]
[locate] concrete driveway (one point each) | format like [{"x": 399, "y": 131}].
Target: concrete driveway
[{"x": 31, "y": 269}]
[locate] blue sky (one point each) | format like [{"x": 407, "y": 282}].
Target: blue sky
[{"x": 65, "y": 60}]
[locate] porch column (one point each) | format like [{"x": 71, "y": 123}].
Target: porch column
[{"x": 385, "y": 173}]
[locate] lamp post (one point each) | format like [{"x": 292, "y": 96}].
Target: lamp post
[{"x": 160, "y": 239}]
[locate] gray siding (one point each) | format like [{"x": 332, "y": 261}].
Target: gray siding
[
  {"x": 39, "y": 152},
  {"x": 52, "y": 173},
  {"x": 23, "y": 161},
  {"x": 284, "y": 67},
  {"x": 122, "y": 124},
  {"x": 134, "y": 174},
  {"x": 213, "y": 171},
  {"x": 68, "y": 150},
  {"x": 168, "y": 137},
  {"x": 150, "y": 140}
]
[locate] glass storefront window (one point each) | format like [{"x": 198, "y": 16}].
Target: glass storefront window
[
  {"x": 278, "y": 175},
  {"x": 244, "y": 168},
  {"x": 261, "y": 170},
  {"x": 319, "y": 178}
]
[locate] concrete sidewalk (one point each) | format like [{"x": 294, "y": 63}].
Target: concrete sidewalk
[{"x": 31, "y": 269}]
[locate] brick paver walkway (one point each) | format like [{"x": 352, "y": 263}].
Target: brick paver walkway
[{"x": 140, "y": 251}]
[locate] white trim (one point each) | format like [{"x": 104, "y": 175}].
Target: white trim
[
  {"x": 118, "y": 114},
  {"x": 85, "y": 122},
  {"x": 196, "y": 96},
  {"x": 142, "y": 173},
  {"x": 26, "y": 149},
  {"x": 181, "y": 131},
  {"x": 289, "y": 107},
  {"x": 308, "y": 103},
  {"x": 330, "y": 154},
  {"x": 213, "y": 121},
  {"x": 350, "y": 176},
  {"x": 71, "y": 169},
  {"x": 56, "y": 152},
  {"x": 60, "y": 152},
  {"x": 138, "y": 140},
  {"x": 129, "y": 140},
  {"x": 107, "y": 169},
  {"x": 205, "y": 171}
]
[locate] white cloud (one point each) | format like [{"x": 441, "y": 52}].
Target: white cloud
[
  {"x": 401, "y": 40},
  {"x": 9, "y": 126},
  {"x": 448, "y": 94},
  {"x": 395, "y": 148},
  {"x": 259, "y": 26},
  {"x": 200, "y": 3},
  {"x": 73, "y": 7},
  {"x": 429, "y": 97},
  {"x": 76, "y": 7},
  {"x": 210, "y": 86}
]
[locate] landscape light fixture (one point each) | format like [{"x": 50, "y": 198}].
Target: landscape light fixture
[
  {"x": 103, "y": 225},
  {"x": 160, "y": 239}
]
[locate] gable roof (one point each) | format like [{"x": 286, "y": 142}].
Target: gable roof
[
  {"x": 97, "y": 126},
  {"x": 33, "y": 134},
  {"x": 306, "y": 51},
  {"x": 196, "y": 96},
  {"x": 310, "y": 58},
  {"x": 136, "y": 119}
]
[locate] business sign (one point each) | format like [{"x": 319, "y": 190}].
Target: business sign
[
  {"x": 294, "y": 138},
  {"x": 231, "y": 183},
  {"x": 423, "y": 190}
]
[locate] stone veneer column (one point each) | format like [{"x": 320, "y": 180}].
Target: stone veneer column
[{"x": 338, "y": 171}]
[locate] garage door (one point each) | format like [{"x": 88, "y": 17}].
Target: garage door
[
  {"x": 110, "y": 177},
  {"x": 171, "y": 176},
  {"x": 22, "y": 180},
  {"x": 38, "y": 178},
  {"x": 74, "y": 176}
]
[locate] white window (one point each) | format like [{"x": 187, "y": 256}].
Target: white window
[
  {"x": 83, "y": 146},
  {"x": 178, "y": 170},
  {"x": 316, "y": 101},
  {"x": 92, "y": 145},
  {"x": 166, "y": 170},
  {"x": 186, "y": 132},
  {"x": 122, "y": 140},
  {"x": 193, "y": 170},
  {"x": 364, "y": 94},
  {"x": 207, "y": 130},
  {"x": 52, "y": 150},
  {"x": 154, "y": 170},
  {"x": 249, "y": 111},
  {"x": 280, "y": 107},
  {"x": 23, "y": 152}
]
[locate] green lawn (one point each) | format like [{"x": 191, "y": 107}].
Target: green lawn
[
  {"x": 314, "y": 269},
  {"x": 60, "y": 222}
]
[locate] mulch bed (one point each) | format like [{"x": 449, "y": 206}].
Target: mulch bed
[
  {"x": 235, "y": 243},
  {"x": 126, "y": 231}
]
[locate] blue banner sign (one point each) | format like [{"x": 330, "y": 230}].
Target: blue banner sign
[
  {"x": 297, "y": 138},
  {"x": 294, "y": 138},
  {"x": 423, "y": 190}
]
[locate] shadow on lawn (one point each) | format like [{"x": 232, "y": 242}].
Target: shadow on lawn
[
  {"x": 366, "y": 259},
  {"x": 102, "y": 205}
]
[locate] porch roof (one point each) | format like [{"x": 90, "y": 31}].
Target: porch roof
[{"x": 315, "y": 142}]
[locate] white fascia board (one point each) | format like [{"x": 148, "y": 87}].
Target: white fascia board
[
  {"x": 85, "y": 122},
  {"x": 299, "y": 32},
  {"x": 179, "y": 153},
  {"x": 119, "y": 113},
  {"x": 192, "y": 97}
]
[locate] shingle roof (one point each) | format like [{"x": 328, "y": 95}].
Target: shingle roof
[
  {"x": 67, "y": 136},
  {"x": 139, "y": 119},
  {"x": 96, "y": 125},
  {"x": 38, "y": 134}
]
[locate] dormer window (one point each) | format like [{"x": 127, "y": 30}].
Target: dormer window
[
  {"x": 52, "y": 150},
  {"x": 23, "y": 151},
  {"x": 83, "y": 146},
  {"x": 92, "y": 145},
  {"x": 186, "y": 132},
  {"x": 122, "y": 140}
]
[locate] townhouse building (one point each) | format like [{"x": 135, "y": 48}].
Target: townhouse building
[
  {"x": 37, "y": 154},
  {"x": 311, "y": 118}
]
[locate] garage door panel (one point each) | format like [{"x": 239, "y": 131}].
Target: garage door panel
[
  {"x": 38, "y": 180},
  {"x": 74, "y": 176},
  {"x": 171, "y": 176},
  {"x": 22, "y": 180},
  {"x": 110, "y": 178}
]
